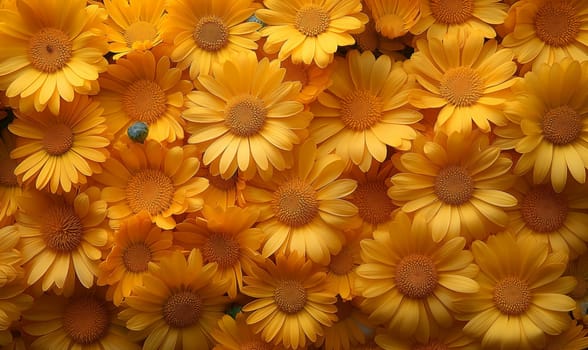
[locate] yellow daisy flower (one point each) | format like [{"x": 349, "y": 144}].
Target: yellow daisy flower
[
  {"x": 205, "y": 32},
  {"x": 522, "y": 294},
  {"x": 137, "y": 243},
  {"x": 51, "y": 49},
  {"x": 347, "y": 333},
  {"x": 178, "y": 305},
  {"x": 452, "y": 338},
  {"x": 10, "y": 189},
  {"x": 364, "y": 110},
  {"x": 341, "y": 271},
  {"x": 133, "y": 25},
  {"x": 410, "y": 283},
  {"x": 302, "y": 209},
  {"x": 154, "y": 178},
  {"x": 10, "y": 257},
  {"x": 469, "y": 82},
  {"x": 394, "y": 18},
  {"x": 84, "y": 321},
  {"x": 573, "y": 338},
  {"x": 460, "y": 18},
  {"x": 547, "y": 31},
  {"x": 292, "y": 307},
  {"x": 549, "y": 123},
  {"x": 144, "y": 87},
  {"x": 308, "y": 30},
  {"x": 56, "y": 152},
  {"x": 246, "y": 117},
  {"x": 457, "y": 183},
  {"x": 227, "y": 237},
  {"x": 236, "y": 334},
  {"x": 62, "y": 238}
]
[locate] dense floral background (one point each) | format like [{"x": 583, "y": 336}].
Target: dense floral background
[{"x": 293, "y": 174}]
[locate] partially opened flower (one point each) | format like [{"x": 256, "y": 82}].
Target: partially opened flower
[
  {"x": 394, "y": 18},
  {"x": 10, "y": 189},
  {"x": 292, "y": 307},
  {"x": 56, "y": 49}
]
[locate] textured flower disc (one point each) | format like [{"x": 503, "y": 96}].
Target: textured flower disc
[
  {"x": 295, "y": 203},
  {"x": 86, "y": 320},
  {"x": 136, "y": 257},
  {"x": 49, "y": 50},
  {"x": 453, "y": 185},
  {"x": 452, "y": 11},
  {"x": 221, "y": 249},
  {"x": 544, "y": 210},
  {"x": 557, "y": 24},
  {"x": 182, "y": 309},
  {"x": 290, "y": 296},
  {"x": 62, "y": 229}
]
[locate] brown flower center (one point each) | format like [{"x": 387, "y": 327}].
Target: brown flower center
[
  {"x": 49, "y": 50},
  {"x": 453, "y": 185},
  {"x": 139, "y": 31},
  {"x": 137, "y": 257},
  {"x": 246, "y": 116},
  {"x": 222, "y": 249},
  {"x": 557, "y": 23},
  {"x": 512, "y": 296},
  {"x": 182, "y": 309},
  {"x": 311, "y": 20},
  {"x": 62, "y": 228},
  {"x": 145, "y": 101},
  {"x": 86, "y": 320},
  {"x": 562, "y": 125},
  {"x": 342, "y": 263},
  {"x": 416, "y": 276},
  {"x": 211, "y": 33},
  {"x": 461, "y": 86},
  {"x": 433, "y": 345},
  {"x": 373, "y": 204},
  {"x": 543, "y": 210},
  {"x": 452, "y": 11},
  {"x": 361, "y": 110},
  {"x": 150, "y": 190},
  {"x": 290, "y": 296},
  {"x": 58, "y": 139},
  {"x": 295, "y": 203}
]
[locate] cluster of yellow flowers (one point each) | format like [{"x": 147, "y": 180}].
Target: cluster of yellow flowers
[{"x": 293, "y": 174}]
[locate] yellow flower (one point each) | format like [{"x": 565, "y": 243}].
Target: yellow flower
[
  {"x": 292, "y": 307},
  {"x": 177, "y": 305},
  {"x": 236, "y": 334},
  {"x": 13, "y": 301},
  {"x": 57, "y": 152},
  {"x": 205, "y": 32},
  {"x": 10, "y": 189},
  {"x": 133, "y": 25},
  {"x": 470, "y": 82},
  {"x": 410, "y": 283},
  {"x": 144, "y": 87},
  {"x": 314, "y": 80},
  {"x": 246, "y": 117},
  {"x": 10, "y": 257},
  {"x": 223, "y": 192},
  {"x": 522, "y": 294},
  {"x": 573, "y": 338},
  {"x": 549, "y": 123},
  {"x": 154, "y": 178},
  {"x": 308, "y": 30},
  {"x": 55, "y": 48},
  {"x": 137, "y": 243},
  {"x": 396, "y": 17},
  {"x": 364, "y": 110},
  {"x": 302, "y": 209},
  {"x": 547, "y": 31},
  {"x": 452, "y": 338},
  {"x": 227, "y": 237},
  {"x": 84, "y": 321},
  {"x": 458, "y": 19},
  {"x": 457, "y": 184},
  {"x": 62, "y": 238},
  {"x": 341, "y": 271}
]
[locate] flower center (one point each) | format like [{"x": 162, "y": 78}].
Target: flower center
[
  {"x": 416, "y": 276},
  {"x": 290, "y": 296},
  {"x": 311, "y": 20},
  {"x": 453, "y": 185},
  {"x": 544, "y": 210},
  {"x": 556, "y": 23},
  {"x": 49, "y": 50},
  {"x": 246, "y": 116},
  {"x": 137, "y": 257},
  {"x": 182, "y": 309},
  {"x": 222, "y": 249},
  {"x": 139, "y": 31},
  {"x": 295, "y": 203},
  {"x": 452, "y": 11},
  {"x": 431, "y": 346},
  {"x": 58, "y": 139},
  {"x": 461, "y": 86},
  {"x": 373, "y": 204},
  {"x": 361, "y": 110},
  {"x": 144, "y": 100},
  {"x": 62, "y": 228},
  {"x": 512, "y": 296},
  {"x": 7, "y": 177},
  {"x": 211, "y": 33},
  {"x": 86, "y": 320},
  {"x": 150, "y": 190},
  {"x": 562, "y": 125},
  {"x": 256, "y": 345},
  {"x": 342, "y": 263}
]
